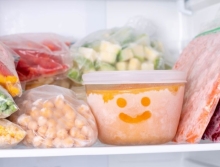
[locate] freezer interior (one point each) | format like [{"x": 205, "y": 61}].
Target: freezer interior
[{"x": 175, "y": 22}]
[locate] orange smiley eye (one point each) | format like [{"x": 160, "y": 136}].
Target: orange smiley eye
[
  {"x": 121, "y": 102},
  {"x": 145, "y": 101}
]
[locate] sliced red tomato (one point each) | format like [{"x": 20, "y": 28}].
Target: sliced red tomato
[
  {"x": 33, "y": 64},
  {"x": 26, "y": 72}
]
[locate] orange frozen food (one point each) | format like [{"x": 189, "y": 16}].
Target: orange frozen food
[
  {"x": 139, "y": 110},
  {"x": 52, "y": 116},
  {"x": 200, "y": 60},
  {"x": 10, "y": 134},
  {"x": 8, "y": 75}
]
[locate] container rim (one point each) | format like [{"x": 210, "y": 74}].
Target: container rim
[{"x": 136, "y": 76}]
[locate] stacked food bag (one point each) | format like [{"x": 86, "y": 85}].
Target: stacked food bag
[
  {"x": 45, "y": 116},
  {"x": 10, "y": 133}
]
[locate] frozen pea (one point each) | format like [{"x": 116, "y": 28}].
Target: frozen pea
[{"x": 7, "y": 105}]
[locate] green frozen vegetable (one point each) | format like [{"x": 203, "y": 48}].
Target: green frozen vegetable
[
  {"x": 102, "y": 66},
  {"x": 83, "y": 62},
  {"x": 75, "y": 75},
  {"x": 158, "y": 64},
  {"x": 138, "y": 51},
  {"x": 7, "y": 105},
  {"x": 125, "y": 55}
]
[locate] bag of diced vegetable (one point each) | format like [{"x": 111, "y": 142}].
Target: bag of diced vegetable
[
  {"x": 7, "y": 104},
  {"x": 40, "y": 54},
  {"x": 132, "y": 47},
  {"x": 8, "y": 75}
]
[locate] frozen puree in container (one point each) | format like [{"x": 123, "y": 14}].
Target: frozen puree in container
[{"x": 136, "y": 113}]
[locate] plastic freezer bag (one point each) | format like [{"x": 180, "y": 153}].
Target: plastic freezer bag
[
  {"x": 8, "y": 75},
  {"x": 213, "y": 130},
  {"x": 16, "y": 59},
  {"x": 10, "y": 134},
  {"x": 59, "y": 80},
  {"x": 132, "y": 47},
  {"x": 7, "y": 104},
  {"x": 40, "y": 54},
  {"x": 53, "y": 117},
  {"x": 200, "y": 60}
]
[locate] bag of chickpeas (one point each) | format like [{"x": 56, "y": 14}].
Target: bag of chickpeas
[{"x": 52, "y": 116}]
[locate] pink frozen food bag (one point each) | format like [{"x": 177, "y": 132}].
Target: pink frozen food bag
[{"x": 200, "y": 60}]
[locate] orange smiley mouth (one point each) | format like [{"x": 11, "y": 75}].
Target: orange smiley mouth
[{"x": 128, "y": 119}]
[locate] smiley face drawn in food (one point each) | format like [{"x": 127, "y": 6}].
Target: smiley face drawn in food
[{"x": 145, "y": 101}]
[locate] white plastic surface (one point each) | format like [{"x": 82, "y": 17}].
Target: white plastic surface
[
  {"x": 70, "y": 161},
  {"x": 101, "y": 149},
  {"x": 188, "y": 159}
]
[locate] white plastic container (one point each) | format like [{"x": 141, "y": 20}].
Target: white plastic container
[{"x": 136, "y": 107}]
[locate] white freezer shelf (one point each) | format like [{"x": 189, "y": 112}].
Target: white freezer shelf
[{"x": 108, "y": 150}]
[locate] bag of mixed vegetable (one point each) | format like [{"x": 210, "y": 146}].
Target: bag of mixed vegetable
[
  {"x": 7, "y": 104},
  {"x": 40, "y": 54},
  {"x": 8, "y": 75},
  {"x": 131, "y": 47}
]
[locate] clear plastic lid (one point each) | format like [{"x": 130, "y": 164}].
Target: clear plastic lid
[{"x": 127, "y": 77}]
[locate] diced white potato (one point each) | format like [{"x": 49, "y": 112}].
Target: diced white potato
[
  {"x": 109, "y": 47},
  {"x": 88, "y": 53},
  {"x": 147, "y": 66},
  {"x": 151, "y": 54},
  {"x": 121, "y": 66},
  {"x": 134, "y": 64}
]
